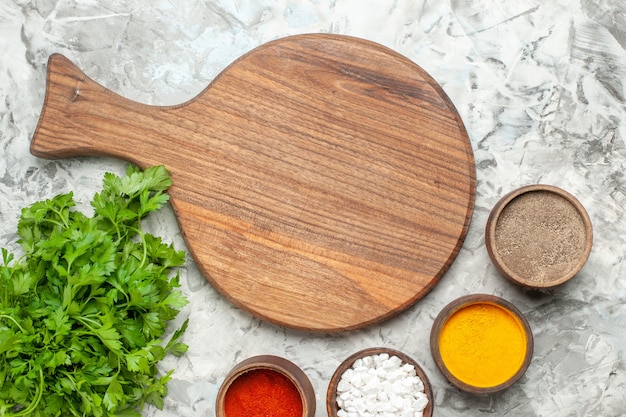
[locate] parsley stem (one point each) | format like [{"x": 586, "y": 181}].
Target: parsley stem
[
  {"x": 57, "y": 223},
  {"x": 62, "y": 225},
  {"x": 118, "y": 232},
  {"x": 84, "y": 319},
  {"x": 33, "y": 405},
  {"x": 4, "y": 316},
  {"x": 63, "y": 219},
  {"x": 145, "y": 249}
]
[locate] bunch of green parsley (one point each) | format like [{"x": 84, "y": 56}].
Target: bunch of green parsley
[{"x": 83, "y": 311}]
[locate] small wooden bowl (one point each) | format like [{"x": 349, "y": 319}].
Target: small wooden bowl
[
  {"x": 472, "y": 300},
  {"x": 538, "y": 236},
  {"x": 331, "y": 395},
  {"x": 277, "y": 364}
]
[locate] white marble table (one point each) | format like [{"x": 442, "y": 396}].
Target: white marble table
[{"x": 539, "y": 84}]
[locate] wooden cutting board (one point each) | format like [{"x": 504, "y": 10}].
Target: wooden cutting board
[{"x": 321, "y": 182}]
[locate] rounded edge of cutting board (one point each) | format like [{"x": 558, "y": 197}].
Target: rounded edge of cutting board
[{"x": 331, "y": 325}]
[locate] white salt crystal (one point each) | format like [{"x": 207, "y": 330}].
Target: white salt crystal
[
  {"x": 347, "y": 375},
  {"x": 399, "y": 388},
  {"x": 361, "y": 407},
  {"x": 396, "y": 402},
  {"x": 372, "y": 386},
  {"x": 417, "y": 383},
  {"x": 344, "y": 385},
  {"x": 392, "y": 362},
  {"x": 394, "y": 374},
  {"x": 344, "y": 396},
  {"x": 360, "y": 371},
  {"x": 409, "y": 369},
  {"x": 420, "y": 403},
  {"x": 358, "y": 379}
]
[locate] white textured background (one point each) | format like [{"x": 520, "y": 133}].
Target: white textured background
[{"x": 539, "y": 85}]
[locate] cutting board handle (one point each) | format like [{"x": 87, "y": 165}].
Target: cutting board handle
[{"x": 80, "y": 117}]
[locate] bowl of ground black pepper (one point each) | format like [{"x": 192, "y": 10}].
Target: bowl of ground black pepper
[
  {"x": 538, "y": 236},
  {"x": 266, "y": 385}
]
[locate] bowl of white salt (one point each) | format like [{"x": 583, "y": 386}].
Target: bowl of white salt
[{"x": 379, "y": 382}]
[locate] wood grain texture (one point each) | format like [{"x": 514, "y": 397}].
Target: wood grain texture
[{"x": 321, "y": 182}]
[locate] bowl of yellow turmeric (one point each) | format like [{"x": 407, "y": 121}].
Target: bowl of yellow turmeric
[{"x": 481, "y": 343}]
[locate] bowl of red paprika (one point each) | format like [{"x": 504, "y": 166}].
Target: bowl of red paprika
[{"x": 266, "y": 385}]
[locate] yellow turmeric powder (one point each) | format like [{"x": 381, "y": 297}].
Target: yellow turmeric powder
[{"x": 483, "y": 344}]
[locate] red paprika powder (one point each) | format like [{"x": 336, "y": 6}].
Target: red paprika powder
[{"x": 262, "y": 393}]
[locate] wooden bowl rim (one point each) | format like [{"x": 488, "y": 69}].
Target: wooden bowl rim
[
  {"x": 275, "y": 363},
  {"x": 490, "y": 235},
  {"x": 465, "y": 301},
  {"x": 331, "y": 394}
]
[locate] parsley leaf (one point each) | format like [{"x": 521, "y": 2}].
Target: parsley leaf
[{"x": 84, "y": 311}]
